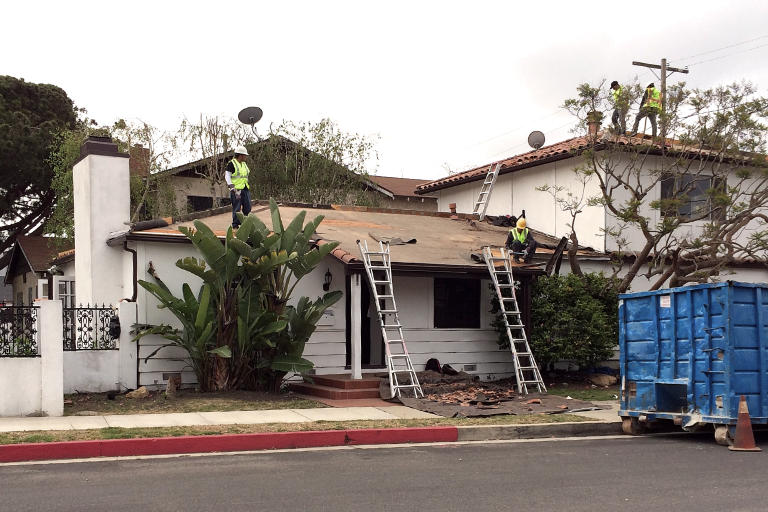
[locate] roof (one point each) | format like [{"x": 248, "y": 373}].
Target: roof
[
  {"x": 405, "y": 187},
  {"x": 38, "y": 250},
  {"x": 442, "y": 243},
  {"x": 558, "y": 151},
  {"x": 567, "y": 149}
]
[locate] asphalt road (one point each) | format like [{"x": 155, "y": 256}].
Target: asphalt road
[{"x": 671, "y": 473}]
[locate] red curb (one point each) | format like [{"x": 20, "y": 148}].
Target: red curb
[{"x": 222, "y": 443}]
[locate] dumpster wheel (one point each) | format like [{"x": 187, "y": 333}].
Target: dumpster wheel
[
  {"x": 631, "y": 426},
  {"x": 723, "y": 435}
]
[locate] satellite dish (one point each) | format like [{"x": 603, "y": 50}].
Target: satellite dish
[
  {"x": 536, "y": 139},
  {"x": 250, "y": 115}
]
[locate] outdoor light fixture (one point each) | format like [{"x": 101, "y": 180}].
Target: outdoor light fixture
[{"x": 327, "y": 280}]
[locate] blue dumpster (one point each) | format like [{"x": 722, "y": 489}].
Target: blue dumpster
[{"x": 688, "y": 353}]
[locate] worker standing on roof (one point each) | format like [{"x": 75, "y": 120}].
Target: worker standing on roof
[
  {"x": 521, "y": 242},
  {"x": 620, "y": 107},
  {"x": 236, "y": 176},
  {"x": 650, "y": 107}
]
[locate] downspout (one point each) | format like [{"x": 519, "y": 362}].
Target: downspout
[{"x": 135, "y": 272}]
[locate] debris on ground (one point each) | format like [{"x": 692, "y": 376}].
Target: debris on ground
[
  {"x": 463, "y": 395},
  {"x": 142, "y": 392}
]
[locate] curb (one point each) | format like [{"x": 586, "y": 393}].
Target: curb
[
  {"x": 306, "y": 439},
  {"x": 222, "y": 443}
]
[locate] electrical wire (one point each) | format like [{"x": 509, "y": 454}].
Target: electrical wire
[
  {"x": 729, "y": 55},
  {"x": 683, "y": 59}
]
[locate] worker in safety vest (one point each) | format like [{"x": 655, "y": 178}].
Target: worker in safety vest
[
  {"x": 650, "y": 107},
  {"x": 236, "y": 176},
  {"x": 521, "y": 242},
  {"x": 620, "y": 107}
]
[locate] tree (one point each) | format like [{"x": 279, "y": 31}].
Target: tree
[
  {"x": 209, "y": 140},
  {"x": 314, "y": 162},
  {"x": 31, "y": 117},
  {"x": 684, "y": 209}
]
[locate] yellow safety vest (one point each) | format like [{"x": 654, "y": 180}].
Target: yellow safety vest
[
  {"x": 240, "y": 176},
  {"x": 520, "y": 236},
  {"x": 616, "y": 94},
  {"x": 654, "y": 99}
]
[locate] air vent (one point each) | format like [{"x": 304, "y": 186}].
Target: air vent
[{"x": 470, "y": 367}]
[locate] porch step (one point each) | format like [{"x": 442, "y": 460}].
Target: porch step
[
  {"x": 343, "y": 381},
  {"x": 332, "y": 392}
]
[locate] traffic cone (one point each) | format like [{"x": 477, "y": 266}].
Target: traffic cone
[{"x": 744, "y": 440}]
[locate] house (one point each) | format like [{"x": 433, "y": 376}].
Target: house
[
  {"x": 403, "y": 193},
  {"x": 516, "y": 190},
  {"x": 194, "y": 191},
  {"x": 31, "y": 273},
  {"x": 443, "y": 294}
]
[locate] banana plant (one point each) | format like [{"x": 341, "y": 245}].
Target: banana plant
[{"x": 197, "y": 335}]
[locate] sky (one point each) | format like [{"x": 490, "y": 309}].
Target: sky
[{"x": 442, "y": 86}]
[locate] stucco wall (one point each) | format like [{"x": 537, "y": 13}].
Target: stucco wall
[
  {"x": 188, "y": 186},
  {"x": 94, "y": 371},
  {"x": 20, "y": 382},
  {"x": 19, "y": 285},
  {"x": 516, "y": 191}
]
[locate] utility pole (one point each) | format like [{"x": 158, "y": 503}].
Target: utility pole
[{"x": 664, "y": 71}]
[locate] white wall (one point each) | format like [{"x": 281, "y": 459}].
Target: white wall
[
  {"x": 516, "y": 191},
  {"x": 93, "y": 371}
]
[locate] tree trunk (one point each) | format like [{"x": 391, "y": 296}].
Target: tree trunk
[{"x": 573, "y": 259}]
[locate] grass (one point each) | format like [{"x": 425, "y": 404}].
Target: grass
[
  {"x": 585, "y": 392},
  {"x": 207, "y": 430},
  {"x": 184, "y": 401}
]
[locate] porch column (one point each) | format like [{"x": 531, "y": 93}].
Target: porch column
[{"x": 356, "y": 314}]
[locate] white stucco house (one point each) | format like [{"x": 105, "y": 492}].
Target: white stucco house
[
  {"x": 554, "y": 165},
  {"x": 443, "y": 294}
]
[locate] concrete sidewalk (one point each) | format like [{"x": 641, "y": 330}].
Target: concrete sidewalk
[
  {"x": 210, "y": 418},
  {"x": 243, "y": 418}
]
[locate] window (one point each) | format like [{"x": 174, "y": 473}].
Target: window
[
  {"x": 67, "y": 293},
  {"x": 31, "y": 292},
  {"x": 457, "y": 303},
  {"x": 197, "y": 203},
  {"x": 19, "y": 299},
  {"x": 691, "y": 191},
  {"x": 45, "y": 290}
]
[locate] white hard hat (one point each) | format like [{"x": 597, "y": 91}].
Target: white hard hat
[{"x": 240, "y": 150}]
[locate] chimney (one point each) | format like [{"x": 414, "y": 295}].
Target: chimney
[
  {"x": 101, "y": 193},
  {"x": 139, "y": 162},
  {"x": 594, "y": 120},
  {"x": 452, "y": 207}
]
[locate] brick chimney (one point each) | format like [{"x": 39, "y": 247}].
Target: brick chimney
[
  {"x": 139, "y": 162},
  {"x": 594, "y": 121}
]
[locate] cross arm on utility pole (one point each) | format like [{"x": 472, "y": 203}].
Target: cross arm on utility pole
[{"x": 656, "y": 66}]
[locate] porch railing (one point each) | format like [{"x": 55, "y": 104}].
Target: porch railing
[
  {"x": 90, "y": 328},
  {"x": 18, "y": 331}
]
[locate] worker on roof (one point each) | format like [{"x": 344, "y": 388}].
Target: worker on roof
[
  {"x": 521, "y": 242},
  {"x": 650, "y": 107},
  {"x": 236, "y": 176},
  {"x": 620, "y": 107}
]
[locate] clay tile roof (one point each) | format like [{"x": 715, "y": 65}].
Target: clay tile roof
[
  {"x": 558, "y": 151},
  {"x": 38, "y": 250},
  {"x": 399, "y": 186}
]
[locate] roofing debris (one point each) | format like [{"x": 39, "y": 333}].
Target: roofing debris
[{"x": 463, "y": 396}]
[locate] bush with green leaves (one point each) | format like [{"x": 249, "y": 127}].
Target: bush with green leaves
[
  {"x": 573, "y": 318},
  {"x": 239, "y": 331}
]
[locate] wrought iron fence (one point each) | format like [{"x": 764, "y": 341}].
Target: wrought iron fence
[
  {"x": 90, "y": 328},
  {"x": 18, "y": 331}
]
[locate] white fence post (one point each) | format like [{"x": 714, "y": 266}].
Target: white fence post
[
  {"x": 50, "y": 331},
  {"x": 126, "y": 360}
]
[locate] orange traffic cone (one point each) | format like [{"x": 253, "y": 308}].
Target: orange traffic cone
[{"x": 744, "y": 440}]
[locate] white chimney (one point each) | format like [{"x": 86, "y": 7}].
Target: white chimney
[{"x": 101, "y": 187}]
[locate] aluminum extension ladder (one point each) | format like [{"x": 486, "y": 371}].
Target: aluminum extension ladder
[
  {"x": 526, "y": 371},
  {"x": 378, "y": 266},
  {"x": 485, "y": 191}
]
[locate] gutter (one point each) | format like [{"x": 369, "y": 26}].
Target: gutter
[{"x": 135, "y": 271}]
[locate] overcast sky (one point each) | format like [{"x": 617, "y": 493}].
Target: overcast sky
[{"x": 443, "y": 84}]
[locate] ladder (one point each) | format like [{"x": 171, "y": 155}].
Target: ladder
[
  {"x": 378, "y": 266},
  {"x": 485, "y": 191},
  {"x": 526, "y": 371}
]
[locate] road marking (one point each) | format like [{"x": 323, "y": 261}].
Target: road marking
[{"x": 317, "y": 449}]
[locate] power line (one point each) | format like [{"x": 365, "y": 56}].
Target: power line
[
  {"x": 729, "y": 54},
  {"x": 721, "y": 48}
]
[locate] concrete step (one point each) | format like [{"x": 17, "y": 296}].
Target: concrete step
[
  {"x": 332, "y": 392},
  {"x": 345, "y": 381}
]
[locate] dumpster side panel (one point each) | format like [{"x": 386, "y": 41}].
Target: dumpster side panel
[
  {"x": 640, "y": 348},
  {"x": 747, "y": 350}
]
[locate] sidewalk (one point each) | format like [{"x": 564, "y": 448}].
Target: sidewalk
[{"x": 188, "y": 419}]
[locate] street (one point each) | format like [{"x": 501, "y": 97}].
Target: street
[{"x": 661, "y": 473}]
